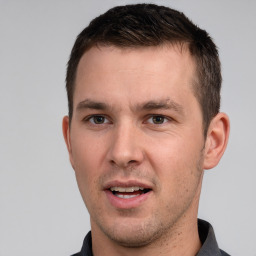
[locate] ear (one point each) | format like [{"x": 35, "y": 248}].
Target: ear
[
  {"x": 66, "y": 135},
  {"x": 216, "y": 140}
]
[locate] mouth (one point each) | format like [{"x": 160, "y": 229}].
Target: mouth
[{"x": 128, "y": 192}]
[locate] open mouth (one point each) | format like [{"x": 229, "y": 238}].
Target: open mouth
[{"x": 128, "y": 192}]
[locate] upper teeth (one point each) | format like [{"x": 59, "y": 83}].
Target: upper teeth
[{"x": 128, "y": 189}]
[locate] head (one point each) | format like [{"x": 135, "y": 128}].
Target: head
[
  {"x": 143, "y": 87},
  {"x": 145, "y": 25}
]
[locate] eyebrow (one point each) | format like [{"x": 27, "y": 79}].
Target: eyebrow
[
  {"x": 146, "y": 106},
  {"x": 161, "y": 104},
  {"x": 90, "y": 104}
]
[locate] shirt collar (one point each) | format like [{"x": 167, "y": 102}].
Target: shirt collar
[{"x": 208, "y": 239}]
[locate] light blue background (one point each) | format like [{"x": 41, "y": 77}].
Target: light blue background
[{"x": 41, "y": 211}]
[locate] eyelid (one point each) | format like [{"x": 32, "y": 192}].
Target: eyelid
[
  {"x": 89, "y": 117},
  {"x": 167, "y": 118},
  {"x": 108, "y": 119}
]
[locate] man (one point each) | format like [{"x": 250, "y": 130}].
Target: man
[{"x": 143, "y": 87}]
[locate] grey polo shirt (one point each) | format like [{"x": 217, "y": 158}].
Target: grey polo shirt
[{"x": 206, "y": 234}]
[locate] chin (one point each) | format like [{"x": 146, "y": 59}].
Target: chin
[
  {"x": 135, "y": 233},
  {"x": 132, "y": 242},
  {"x": 133, "y": 239}
]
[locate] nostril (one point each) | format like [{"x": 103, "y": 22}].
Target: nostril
[
  {"x": 128, "y": 164},
  {"x": 132, "y": 161},
  {"x": 112, "y": 161}
]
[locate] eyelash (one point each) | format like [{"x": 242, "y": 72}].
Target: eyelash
[
  {"x": 91, "y": 119},
  {"x": 165, "y": 119}
]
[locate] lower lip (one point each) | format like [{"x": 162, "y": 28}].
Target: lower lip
[{"x": 126, "y": 203}]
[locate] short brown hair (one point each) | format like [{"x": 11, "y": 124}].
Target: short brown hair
[{"x": 143, "y": 25}]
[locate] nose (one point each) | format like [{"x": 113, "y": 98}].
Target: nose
[{"x": 126, "y": 148}]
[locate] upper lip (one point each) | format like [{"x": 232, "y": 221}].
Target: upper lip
[{"x": 126, "y": 184}]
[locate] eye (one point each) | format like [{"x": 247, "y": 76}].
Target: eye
[
  {"x": 157, "y": 119},
  {"x": 98, "y": 119}
]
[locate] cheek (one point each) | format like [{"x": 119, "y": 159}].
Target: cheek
[
  {"x": 177, "y": 164},
  {"x": 87, "y": 151},
  {"x": 86, "y": 155},
  {"x": 173, "y": 153}
]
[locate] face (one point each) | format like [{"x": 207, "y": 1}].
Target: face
[{"x": 136, "y": 141}]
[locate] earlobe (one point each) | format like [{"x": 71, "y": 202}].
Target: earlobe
[
  {"x": 66, "y": 135},
  {"x": 216, "y": 141}
]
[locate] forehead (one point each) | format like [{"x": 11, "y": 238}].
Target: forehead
[
  {"x": 139, "y": 58},
  {"x": 139, "y": 73}
]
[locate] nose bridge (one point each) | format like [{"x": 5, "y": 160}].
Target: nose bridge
[{"x": 125, "y": 147}]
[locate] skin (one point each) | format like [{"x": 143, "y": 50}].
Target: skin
[{"x": 136, "y": 119}]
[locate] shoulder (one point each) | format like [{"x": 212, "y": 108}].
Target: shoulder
[
  {"x": 224, "y": 253},
  {"x": 87, "y": 246},
  {"x": 208, "y": 240}
]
